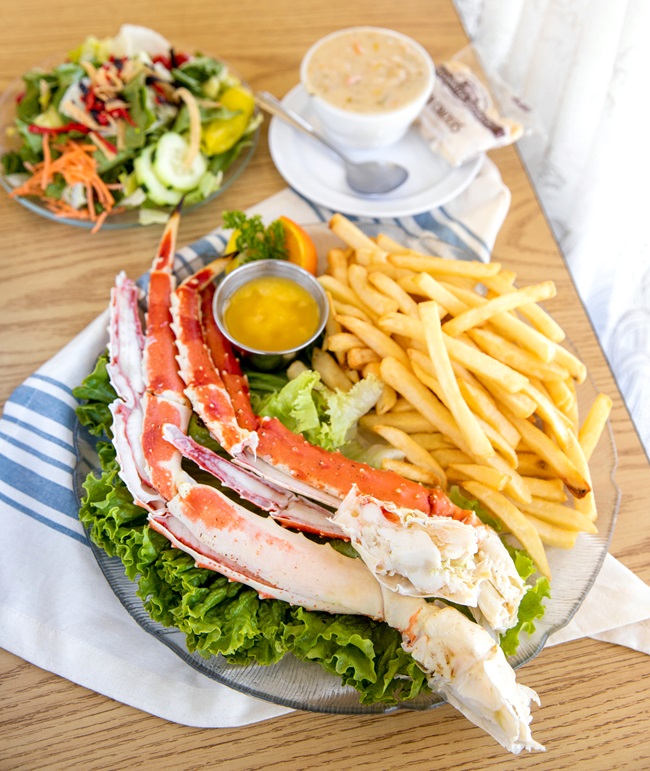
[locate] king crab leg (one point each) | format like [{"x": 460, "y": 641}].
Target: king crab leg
[
  {"x": 126, "y": 343},
  {"x": 203, "y": 384},
  {"x": 221, "y": 352},
  {"x": 164, "y": 400},
  {"x": 285, "y": 507}
]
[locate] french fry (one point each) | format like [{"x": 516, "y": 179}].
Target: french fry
[
  {"x": 516, "y": 522},
  {"x": 330, "y": 372},
  {"x": 348, "y": 232},
  {"x": 401, "y": 405},
  {"x": 594, "y": 423},
  {"x": 296, "y": 368},
  {"x": 413, "y": 452},
  {"x": 461, "y": 472},
  {"x": 425, "y": 285},
  {"x": 484, "y": 405},
  {"x": 341, "y": 342},
  {"x": 407, "y": 384},
  {"x": 516, "y": 358},
  {"x": 337, "y": 265},
  {"x": 586, "y": 504},
  {"x": 410, "y": 422},
  {"x": 389, "y": 287},
  {"x": 552, "y": 535},
  {"x": 557, "y": 514},
  {"x": 450, "y": 456},
  {"x": 389, "y": 270},
  {"x": 508, "y": 325},
  {"x": 561, "y": 395},
  {"x": 518, "y": 403},
  {"x": 409, "y": 471},
  {"x": 548, "y": 489},
  {"x": 379, "y": 302},
  {"x": 548, "y": 412},
  {"x": 531, "y": 465},
  {"x": 432, "y": 440},
  {"x": 389, "y": 244},
  {"x": 537, "y": 316},
  {"x": 538, "y": 441},
  {"x": 572, "y": 410},
  {"x": 353, "y": 375},
  {"x": 374, "y": 338},
  {"x": 506, "y": 302},
  {"x": 515, "y": 486},
  {"x": 343, "y": 309},
  {"x": 372, "y": 368},
  {"x": 571, "y": 363},
  {"x": 440, "y": 266},
  {"x": 332, "y": 327},
  {"x": 483, "y": 365},
  {"x": 386, "y": 401},
  {"x": 341, "y": 292},
  {"x": 357, "y": 358},
  {"x": 403, "y": 325}
]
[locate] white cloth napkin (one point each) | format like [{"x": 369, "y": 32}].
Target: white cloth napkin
[{"x": 57, "y": 610}]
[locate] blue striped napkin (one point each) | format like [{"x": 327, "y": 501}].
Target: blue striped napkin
[{"x": 56, "y": 609}]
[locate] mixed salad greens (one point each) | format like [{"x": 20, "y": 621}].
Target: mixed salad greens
[
  {"x": 127, "y": 123},
  {"x": 221, "y": 617}
]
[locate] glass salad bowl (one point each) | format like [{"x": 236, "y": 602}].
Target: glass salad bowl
[
  {"x": 301, "y": 685},
  {"x": 147, "y": 213}
]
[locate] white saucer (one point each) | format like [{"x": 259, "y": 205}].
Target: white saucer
[{"x": 316, "y": 174}]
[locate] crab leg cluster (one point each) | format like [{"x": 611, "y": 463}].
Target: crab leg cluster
[{"x": 413, "y": 542}]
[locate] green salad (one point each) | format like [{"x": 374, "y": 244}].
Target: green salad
[
  {"x": 127, "y": 123},
  {"x": 221, "y": 617}
]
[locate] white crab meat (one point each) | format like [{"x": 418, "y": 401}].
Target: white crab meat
[{"x": 431, "y": 556}]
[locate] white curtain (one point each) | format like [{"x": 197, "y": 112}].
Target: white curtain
[{"x": 584, "y": 66}]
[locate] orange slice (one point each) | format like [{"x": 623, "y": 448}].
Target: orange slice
[{"x": 300, "y": 247}]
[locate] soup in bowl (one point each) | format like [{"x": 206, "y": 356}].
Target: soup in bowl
[{"x": 367, "y": 84}]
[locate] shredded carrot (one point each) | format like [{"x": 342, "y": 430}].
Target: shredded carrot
[
  {"x": 76, "y": 164},
  {"x": 47, "y": 160}
]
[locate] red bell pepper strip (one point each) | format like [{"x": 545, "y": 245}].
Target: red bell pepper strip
[{"x": 34, "y": 129}]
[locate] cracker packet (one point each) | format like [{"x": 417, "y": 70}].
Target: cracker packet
[{"x": 462, "y": 118}]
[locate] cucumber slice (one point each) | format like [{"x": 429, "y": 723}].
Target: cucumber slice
[
  {"x": 146, "y": 176},
  {"x": 169, "y": 163}
]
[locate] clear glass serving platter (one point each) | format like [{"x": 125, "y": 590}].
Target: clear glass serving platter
[
  {"x": 306, "y": 686},
  {"x": 120, "y": 220}
]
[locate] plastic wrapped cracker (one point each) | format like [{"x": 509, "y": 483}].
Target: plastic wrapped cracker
[{"x": 461, "y": 119}]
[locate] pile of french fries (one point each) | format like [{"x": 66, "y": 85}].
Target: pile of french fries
[{"x": 477, "y": 389}]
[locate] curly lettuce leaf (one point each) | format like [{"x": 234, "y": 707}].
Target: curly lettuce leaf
[
  {"x": 96, "y": 393},
  {"x": 324, "y": 417}
]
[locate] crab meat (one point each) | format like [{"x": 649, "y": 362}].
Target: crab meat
[
  {"x": 466, "y": 667},
  {"x": 421, "y": 556}
]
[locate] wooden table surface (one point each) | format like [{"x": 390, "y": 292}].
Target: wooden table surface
[{"x": 56, "y": 279}]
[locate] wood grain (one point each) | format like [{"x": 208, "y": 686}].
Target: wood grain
[{"x": 56, "y": 279}]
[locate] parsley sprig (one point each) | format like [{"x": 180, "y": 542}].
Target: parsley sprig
[{"x": 254, "y": 240}]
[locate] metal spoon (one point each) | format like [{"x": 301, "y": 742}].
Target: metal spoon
[{"x": 366, "y": 178}]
